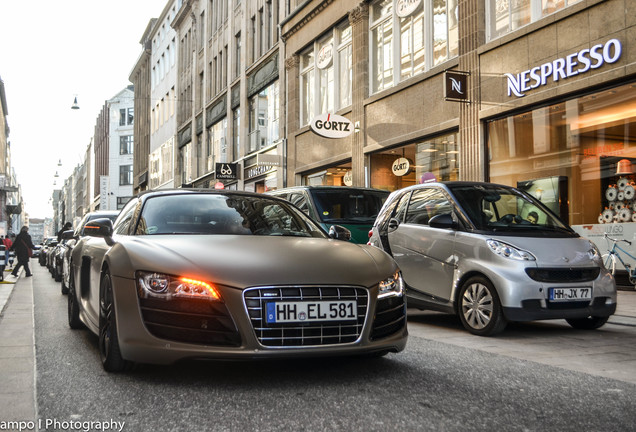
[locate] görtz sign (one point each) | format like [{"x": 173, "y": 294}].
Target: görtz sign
[
  {"x": 565, "y": 67},
  {"x": 331, "y": 126}
]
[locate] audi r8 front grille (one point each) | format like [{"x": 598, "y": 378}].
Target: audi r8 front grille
[
  {"x": 190, "y": 321},
  {"x": 555, "y": 275},
  {"x": 306, "y": 316}
]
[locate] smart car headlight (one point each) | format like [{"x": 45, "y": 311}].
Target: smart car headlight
[
  {"x": 593, "y": 252},
  {"x": 508, "y": 251},
  {"x": 392, "y": 286},
  {"x": 168, "y": 286}
]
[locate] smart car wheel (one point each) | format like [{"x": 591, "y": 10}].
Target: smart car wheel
[
  {"x": 74, "y": 321},
  {"x": 108, "y": 342},
  {"x": 589, "y": 323},
  {"x": 480, "y": 308}
]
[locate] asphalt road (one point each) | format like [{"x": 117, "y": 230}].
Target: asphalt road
[{"x": 431, "y": 386}]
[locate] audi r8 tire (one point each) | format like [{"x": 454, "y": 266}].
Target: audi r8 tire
[
  {"x": 112, "y": 361},
  {"x": 589, "y": 323},
  {"x": 74, "y": 321},
  {"x": 479, "y": 307},
  {"x": 63, "y": 286}
]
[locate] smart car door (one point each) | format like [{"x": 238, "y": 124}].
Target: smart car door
[{"x": 425, "y": 254}]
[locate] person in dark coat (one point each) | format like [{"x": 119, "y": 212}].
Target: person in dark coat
[
  {"x": 22, "y": 245},
  {"x": 67, "y": 226}
]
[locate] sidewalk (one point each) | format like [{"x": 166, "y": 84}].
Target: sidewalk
[{"x": 17, "y": 350}]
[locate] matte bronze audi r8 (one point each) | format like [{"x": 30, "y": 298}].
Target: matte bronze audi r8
[{"x": 229, "y": 275}]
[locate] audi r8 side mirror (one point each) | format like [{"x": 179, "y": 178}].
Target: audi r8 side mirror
[
  {"x": 100, "y": 228},
  {"x": 339, "y": 232}
]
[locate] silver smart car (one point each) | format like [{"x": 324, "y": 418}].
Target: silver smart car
[{"x": 492, "y": 254}]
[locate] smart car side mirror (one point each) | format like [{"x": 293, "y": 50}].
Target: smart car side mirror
[
  {"x": 443, "y": 221},
  {"x": 338, "y": 232},
  {"x": 393, "y": 224},
  {"x": 67, "y": 235},
  {"x": 100, "y": 228}
]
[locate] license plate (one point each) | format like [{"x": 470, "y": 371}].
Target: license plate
[
  {"x": 303, "y": 311},
  {"x": 570, "y": 294}
]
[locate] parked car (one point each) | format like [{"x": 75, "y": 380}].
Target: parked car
[
  {"x": 228, "y": 275},
  {"x": 467, "y": 248},
  {"x": 36, "y": 251},
  {"x": 48, "y": 242},
  {"x": 55, "y": 259},
  {"x": 352, "y": 207},
  {"x": 72, "y": 236}
]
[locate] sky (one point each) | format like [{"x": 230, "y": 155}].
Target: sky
[{"x": 50, "y": 53}]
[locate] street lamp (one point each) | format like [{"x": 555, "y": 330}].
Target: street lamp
[{"x": 75, "y": 106}]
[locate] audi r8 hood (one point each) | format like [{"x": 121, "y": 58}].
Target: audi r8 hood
[{"x": 245, "y": 261}]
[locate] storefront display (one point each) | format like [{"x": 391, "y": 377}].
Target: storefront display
[
  {"x": 433, "y": 159},
  {"x": 591, "y": 141}
]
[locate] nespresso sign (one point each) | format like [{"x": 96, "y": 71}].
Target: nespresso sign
[{"x": 565, "y": 67}]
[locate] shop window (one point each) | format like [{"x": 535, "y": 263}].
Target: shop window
[
  {"x": 431, "y": 159},
  {"x": 583, "y": 148},
  {"x": 421, "y": 39},
  {"x": 326, "y": 74},
  {"x": 505, "y": 16}
]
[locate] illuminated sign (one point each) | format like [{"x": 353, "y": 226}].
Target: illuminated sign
[{"x": 565, "y": 67}]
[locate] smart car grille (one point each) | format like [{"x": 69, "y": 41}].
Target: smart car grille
[
  {"x": 555, "y": 275},
  {"x": 190, "y": 321},
  {"x": 390, "y": 317},
  {"x": 305, "y": 333}
]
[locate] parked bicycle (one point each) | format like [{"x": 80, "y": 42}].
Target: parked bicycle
[{"x": 613, "y": 256}]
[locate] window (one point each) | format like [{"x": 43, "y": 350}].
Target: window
[
  {"x": 326, "y": 74},
  {"x": 264, "y": 116},
  {"x": 121, "y": 202},
  {"x": 505, "y": 16},
  {"x": 426, "y": 203},
  {"x": 125, "y": 175},
  {"x": 237, "y": 55},
  {"x": 588, "y": 141},
  {"x": 126, "y": 116},
  {"x": 236, "y": 131},
  {"x": 126, "y": 144},
  {"x": 408, "y": 41}
]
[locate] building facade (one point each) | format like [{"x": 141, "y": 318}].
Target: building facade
[{"x": 113, "y": 149}]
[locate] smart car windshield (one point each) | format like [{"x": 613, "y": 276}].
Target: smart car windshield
[
  {"x": 502, "y": 209},
  {"x": 222, "y": 214},
  {"x": 348, "y": 206}
]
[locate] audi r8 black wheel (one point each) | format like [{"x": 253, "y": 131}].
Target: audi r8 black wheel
[
  {"x": 74, "y": 321},
  {"x": 108, "y": 341}
]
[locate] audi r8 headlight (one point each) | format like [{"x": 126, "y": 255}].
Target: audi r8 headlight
[
  {"x": 392, "y": 286},
  {"x": 508, "y": 251},
  {"x": 168, "y": 286}
]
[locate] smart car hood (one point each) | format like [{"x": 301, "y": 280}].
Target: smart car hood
[
  {"x": 555, "y": 252},
  {"x": 244, "y": 261}
]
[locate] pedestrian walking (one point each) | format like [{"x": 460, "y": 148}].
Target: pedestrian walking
[
  {"x": 23, "y": 247},
  {"x": 7, "y": 247}
]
